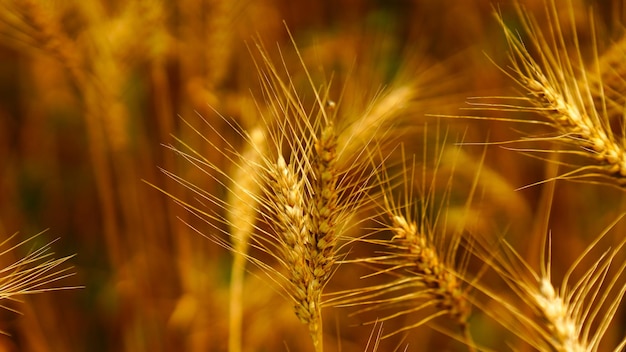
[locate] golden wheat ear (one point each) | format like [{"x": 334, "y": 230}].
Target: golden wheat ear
[
  {"x": 296, "y": 195},
  {"x": 560, "y": 93},
  {"x": 424, "y": 254},
  {"x": 572, "y": 316},
  {"x": 310, "y": 194}
]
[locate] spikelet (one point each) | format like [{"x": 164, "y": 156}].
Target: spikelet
[
  {"x": 292, "y": 178},
  {"x": 241, "y": 217}
]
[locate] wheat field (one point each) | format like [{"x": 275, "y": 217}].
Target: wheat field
[{"x": 404, "y": 175}]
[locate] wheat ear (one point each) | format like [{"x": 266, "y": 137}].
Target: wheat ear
[
  {"x": 442, "y": 285},
  {"x": 558, "y": 88},
  {"x": 303, "y": 198},
  {"x": 315, "y": 196},
  {"x": 323, "y": 208},
  {"x": 566, "y": 103},
  {"x": 423, "y": 253},
  {"x": 303, "y": 190},
  {"x": 571, "y": 317},
  {"x": 285, "y": 194}
]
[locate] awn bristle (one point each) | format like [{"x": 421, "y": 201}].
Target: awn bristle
[{"x": 33, "y": 273}]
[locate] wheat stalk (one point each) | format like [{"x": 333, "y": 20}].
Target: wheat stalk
[
  {"x": 241, "y": 219},
  {"x": 302, "y": 204}
]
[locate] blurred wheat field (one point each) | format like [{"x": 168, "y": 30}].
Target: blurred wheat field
[{"x": 313, "y": 176}]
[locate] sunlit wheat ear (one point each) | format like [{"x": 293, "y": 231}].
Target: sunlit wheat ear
[
  {"x": 304, "y": 207},
  {"x": 35, "y": 272},
  {"x": 556, "y": 87},
  {"x": 424, "y": 256},
  {"x": 572, "y": 316},
  {"x": 309, "y": 198},
  {"x": 302, "y": 198}
]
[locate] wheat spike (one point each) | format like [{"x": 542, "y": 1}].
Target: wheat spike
[
  {"x": 302, "y": 199},
  {"x": 560, "y": 89},
  {"x": 284, "y": 193},
  {"x": 437, "y": 276},
  {"x": 324, "y": 207},
  {"x": 423, "y": 254},
  {"x": 565, "y": 102},
  {"x": 571, "y": 317}
]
